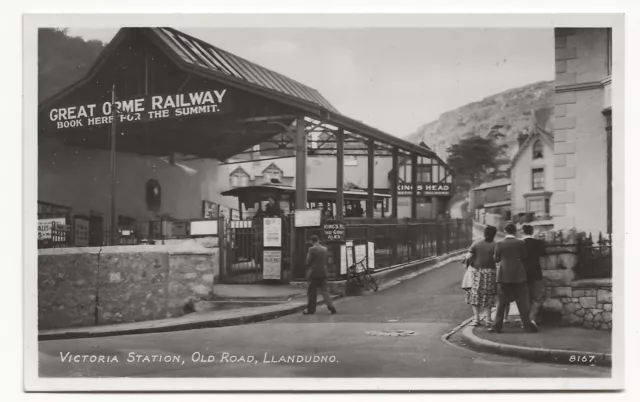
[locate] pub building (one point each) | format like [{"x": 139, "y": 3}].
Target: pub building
[
  {"x": 433, "y": 184},
  {"x": 136, "y": 149}
]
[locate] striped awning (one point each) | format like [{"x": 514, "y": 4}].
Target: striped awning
[{"x": 195, "y": 51}]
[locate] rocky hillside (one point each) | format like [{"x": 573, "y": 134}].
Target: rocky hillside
[{"x": 511, "y": 111}]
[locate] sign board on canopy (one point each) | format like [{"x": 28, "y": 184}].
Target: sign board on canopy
[
  {"x": 305, "y": 218},
  {"x": 425, "y": 189},
  {"x": 154, "y": 107}
]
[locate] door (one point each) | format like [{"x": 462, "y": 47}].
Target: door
[{"x": 96, "y": 231}]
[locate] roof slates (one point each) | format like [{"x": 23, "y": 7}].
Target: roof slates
[{"x": 207, "y": 56}]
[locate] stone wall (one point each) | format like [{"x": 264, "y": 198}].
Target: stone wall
[
  {"x": 578, "y": 302},
  {"x": 80, "y": 287},
  {"x": 590, "y": 304}
]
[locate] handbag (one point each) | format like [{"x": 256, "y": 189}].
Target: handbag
[{"x": 467, "y": 279}]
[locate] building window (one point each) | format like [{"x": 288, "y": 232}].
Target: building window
[
  {"x": 536, "y": 205},
  {"x": 537, "y": 179},
  {"x": 424, "y": 174},
  {"x": 538, "y": 152},
  {"x": 272, "y": 174},
  {"x": 239, "y": 178}
]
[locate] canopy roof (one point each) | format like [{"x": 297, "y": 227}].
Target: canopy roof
[{"x": 264, "y": 104}]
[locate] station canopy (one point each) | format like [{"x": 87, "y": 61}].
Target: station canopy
[{"x": 176, "y": 94}]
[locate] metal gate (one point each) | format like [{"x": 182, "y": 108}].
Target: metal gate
[{"x": 243, "y": 252}]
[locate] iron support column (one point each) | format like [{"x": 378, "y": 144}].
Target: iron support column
[{"x": 339, "y": 213}]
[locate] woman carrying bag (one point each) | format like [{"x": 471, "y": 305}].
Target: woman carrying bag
[{"x": 479, "y": 281}]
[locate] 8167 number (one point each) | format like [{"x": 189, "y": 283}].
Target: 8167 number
[{"x": 582, "y": 359}]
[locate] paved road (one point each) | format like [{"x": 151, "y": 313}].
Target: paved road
[{"x": 430, "y": 305}]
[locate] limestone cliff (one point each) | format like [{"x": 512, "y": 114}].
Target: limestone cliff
[{"x": 511, "y": 111}]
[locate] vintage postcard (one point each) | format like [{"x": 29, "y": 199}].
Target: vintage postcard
[{"x": 324, "y": 202}]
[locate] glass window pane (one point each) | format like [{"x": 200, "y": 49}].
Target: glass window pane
[{"x": 538, "y": 179}]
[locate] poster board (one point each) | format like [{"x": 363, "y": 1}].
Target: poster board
[
  {"x": 371, "y": 255},
  {"x": 204, "y": 228},
  {"x": 349, "y": 255},
  {"x": 360, "y": 253},
  {"x": 45, "y": 228},
  {"x": 272, "y": 260},
  {"x": 305, "y": 218},
  {"x": 272, "y": 232},
  {"x": 81, "y": 232},
  {"x": 210, "y": 210},
  {"x": 343, "y": 260}
]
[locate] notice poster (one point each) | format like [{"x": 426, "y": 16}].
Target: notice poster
[
  {"x": 209, "y": 210},
  {"x": 360, "y": 251},
  {"x": 349, "y": 253},
  {"x": 272, "y": 232},
  {"x": 371, "y": 255},
  {"x": 45, "y": 228},
  {"x": 272, "y": 260},
  {"x": 343, "y": 260}
]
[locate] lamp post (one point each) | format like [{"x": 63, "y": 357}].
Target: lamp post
[{"x": 112, "y": 154}]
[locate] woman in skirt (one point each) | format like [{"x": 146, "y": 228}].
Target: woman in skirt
[{"x": 483, "y": 290}]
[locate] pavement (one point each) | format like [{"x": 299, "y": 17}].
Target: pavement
[
  {"x": 256, "y": 292},
  {"x": 396, "y": 332},
  {"x": 553, "y": 343}
]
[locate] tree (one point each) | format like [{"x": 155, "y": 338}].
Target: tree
[
  {"x": 62, "y": 60},
  {"x": 474, "y": 159}
]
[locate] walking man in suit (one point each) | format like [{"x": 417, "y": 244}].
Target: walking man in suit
[
  {"x": 535, "y": 249},
  {"x": 317, "y": 276},
  {"x": 512, "y": 279}
]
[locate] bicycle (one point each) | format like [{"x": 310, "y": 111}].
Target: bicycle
[{"x": 362, "y": 275}]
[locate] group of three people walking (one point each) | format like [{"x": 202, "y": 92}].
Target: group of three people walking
[{"x": 509, "y": 270}]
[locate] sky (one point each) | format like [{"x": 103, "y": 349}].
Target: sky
[{"x": 394, "y": 79}]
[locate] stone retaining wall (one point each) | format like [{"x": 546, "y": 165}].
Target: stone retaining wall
[
  {"x": 585, "y": 302},
  {"x": 96, "y": 286},
  {"x": 589, "y": 304}
]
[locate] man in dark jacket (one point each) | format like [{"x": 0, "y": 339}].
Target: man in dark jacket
[
  {"x": 317, "y": 275},
  {"x": 512, "y": 279},
  {"x": 534, "y": 249}
]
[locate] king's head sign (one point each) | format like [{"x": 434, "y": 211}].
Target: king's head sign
[
  {"x": 154, "y": 107},
  {"x": 425, "y": 189}
]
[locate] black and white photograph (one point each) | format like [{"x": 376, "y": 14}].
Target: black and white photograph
[{"x": 401, "y": 201}]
